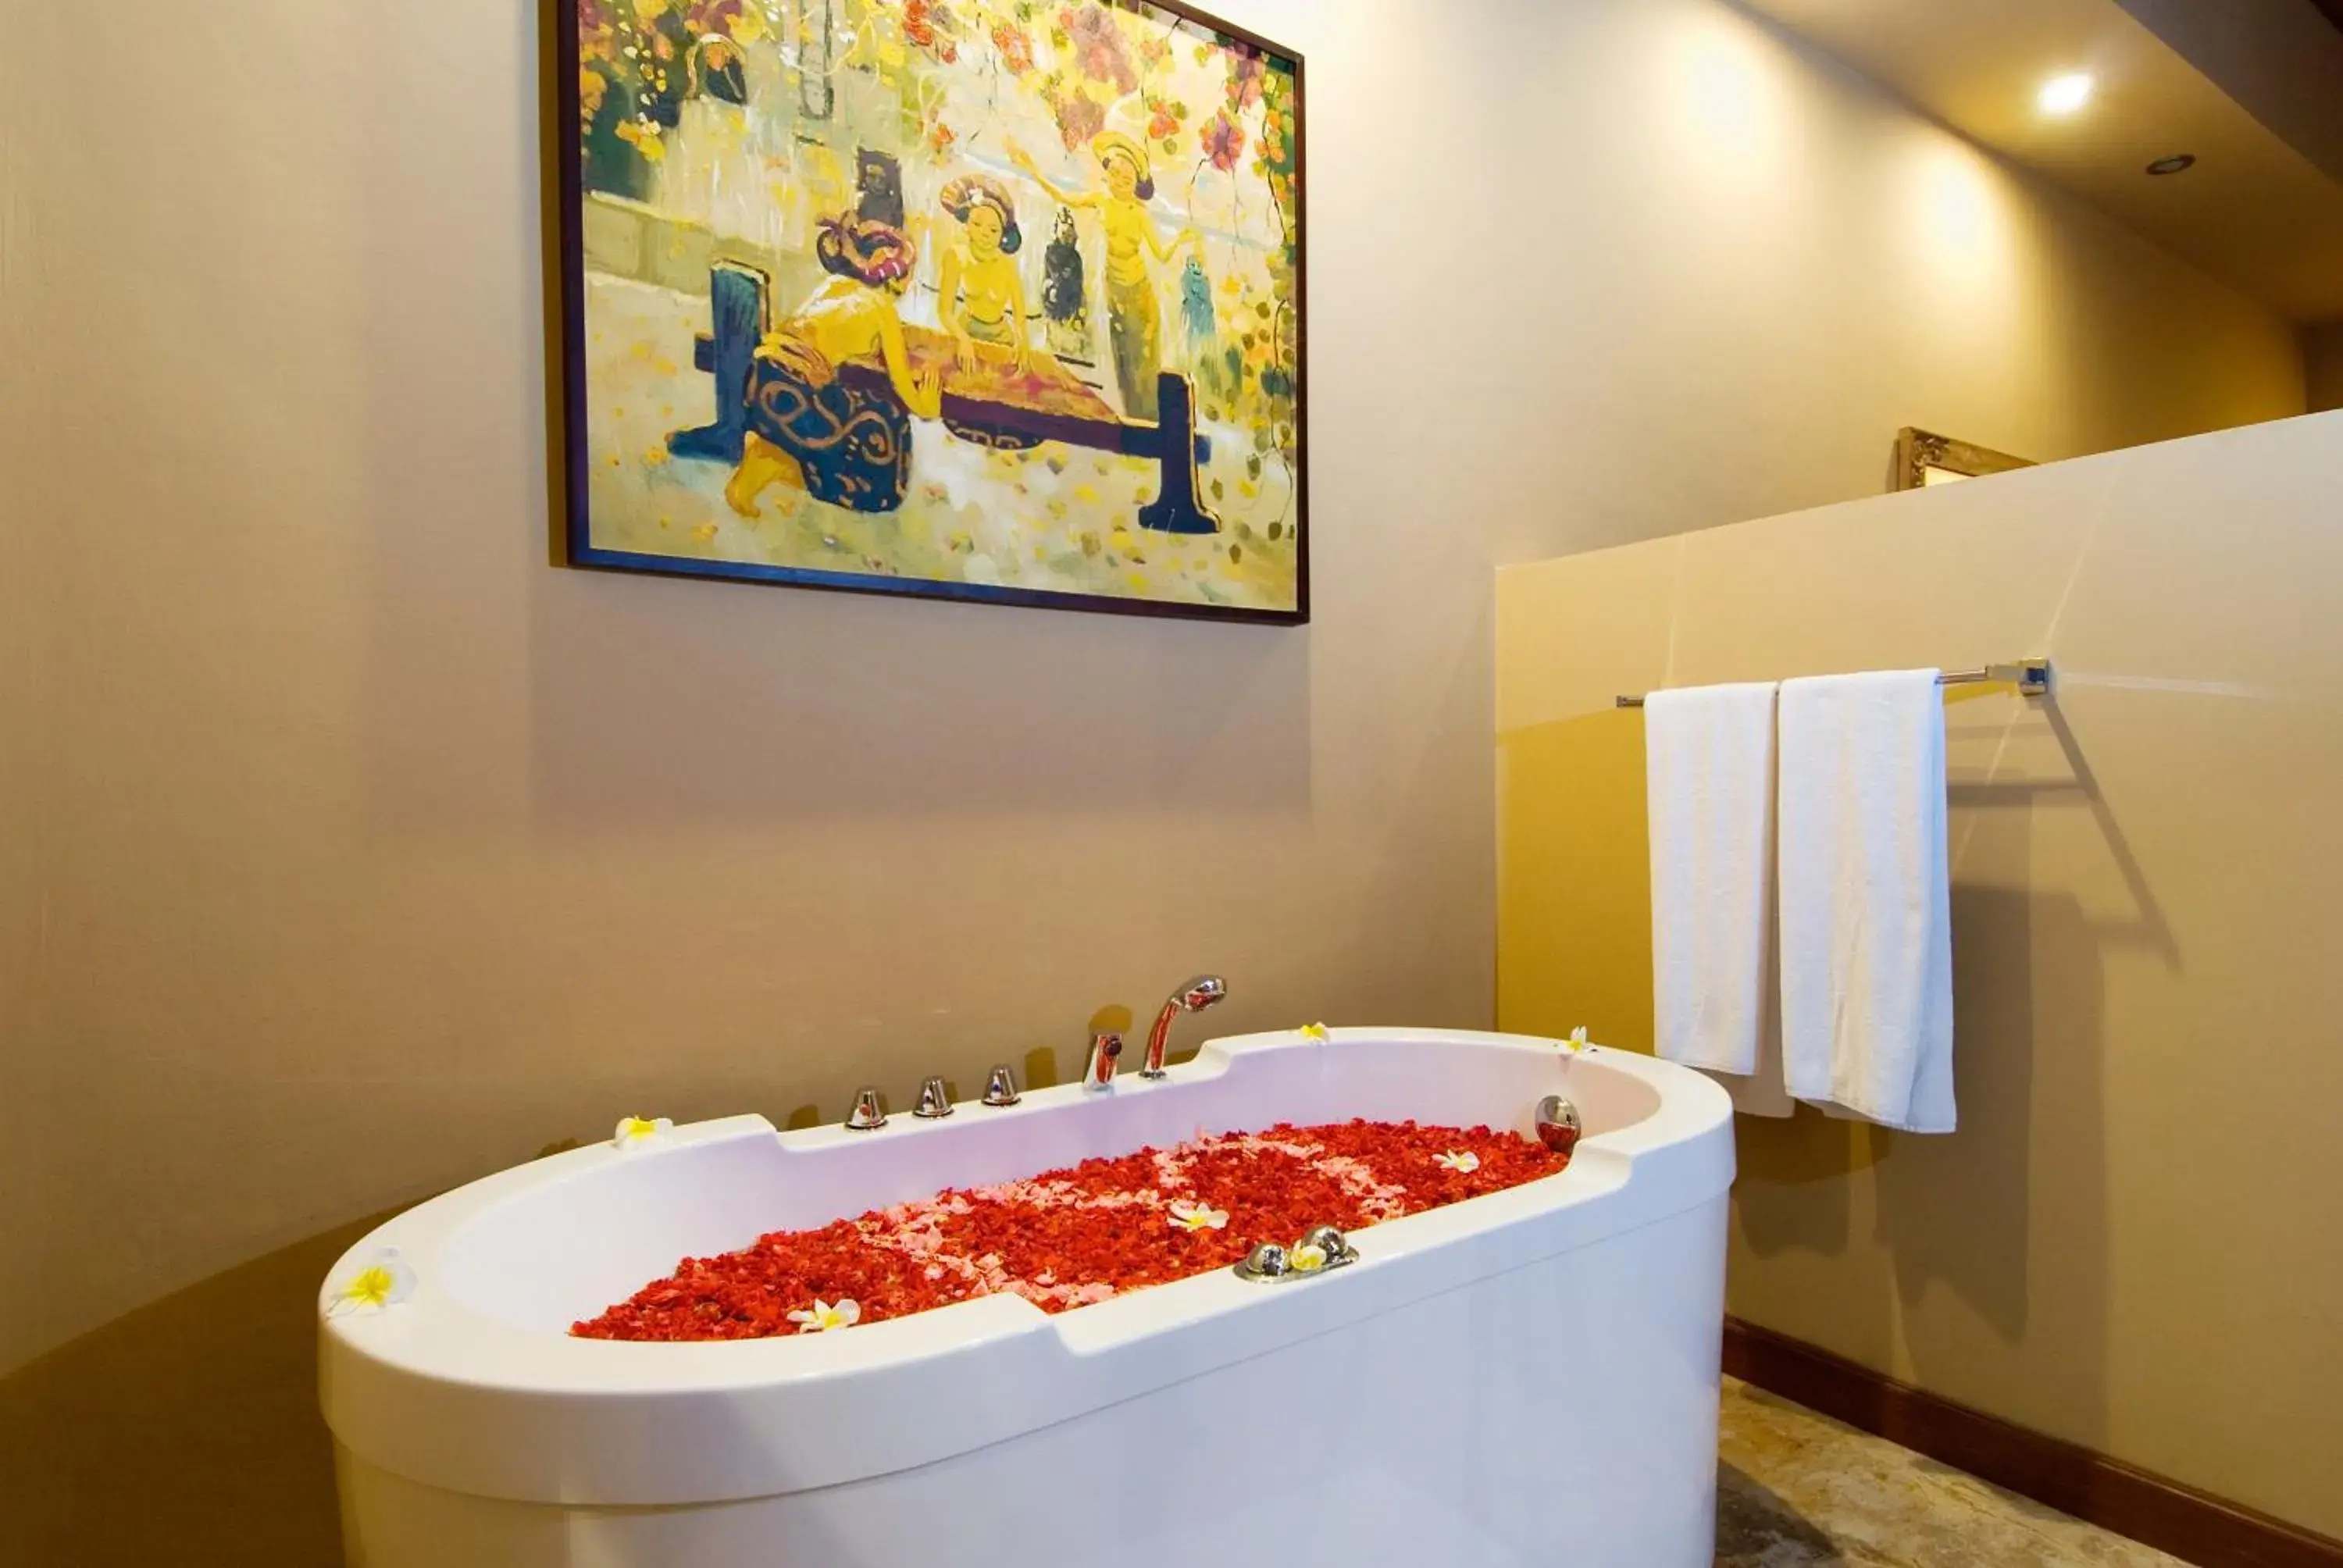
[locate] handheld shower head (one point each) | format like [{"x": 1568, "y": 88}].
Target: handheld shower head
[
  {"x": 1195, "y": 995},
  {"x": 1203, "y": 992}
]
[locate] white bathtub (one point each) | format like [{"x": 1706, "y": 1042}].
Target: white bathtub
[{"x": 1529, "y": 1378}]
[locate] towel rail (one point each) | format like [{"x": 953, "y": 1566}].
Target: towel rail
[{"x": 2030, "y": 676}]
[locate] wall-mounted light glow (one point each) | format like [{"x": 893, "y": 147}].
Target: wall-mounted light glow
[
  {"x": 1967, "y": 230},
  {"x": 2065, "y": 94},
  {"x": 1729, "y": 87}
]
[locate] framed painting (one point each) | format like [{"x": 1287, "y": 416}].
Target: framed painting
[
  {"x": 1924, "y": 458},
  {"x": 981, "y": 299}
]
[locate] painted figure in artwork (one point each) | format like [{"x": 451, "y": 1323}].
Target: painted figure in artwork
[
  {"x": 982, "y": 293},
  {"x": 1134, "y": 246},
  {"x": 1065, "y": 296},
  {"x": 1203, "y": 357},
  {"x": 810, "y": 428},
  {"x": 879, "y": 178}
]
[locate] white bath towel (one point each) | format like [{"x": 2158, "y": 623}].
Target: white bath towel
[
  {"x": 1867, "y": 943},
  {"x": 1709, "y": 784},
  {"x": 1765, "y": 1092}
]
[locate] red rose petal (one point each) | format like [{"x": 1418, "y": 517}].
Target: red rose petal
[{"x": 1069, "y": 1237}]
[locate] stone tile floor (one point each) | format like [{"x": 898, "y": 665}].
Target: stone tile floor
[{"x": 1798, "y": 1489}]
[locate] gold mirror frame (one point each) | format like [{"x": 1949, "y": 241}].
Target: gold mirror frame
[{"x": 1918, "y": 451}]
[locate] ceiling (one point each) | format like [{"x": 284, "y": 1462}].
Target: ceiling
[{"x": 2253, "y": 88}]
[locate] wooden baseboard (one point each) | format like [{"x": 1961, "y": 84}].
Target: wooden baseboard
[{"x": 2193, "y": 1525}]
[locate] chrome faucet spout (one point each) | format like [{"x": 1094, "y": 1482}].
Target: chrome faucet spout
[
  {"x": 1107, "y": 1027},
  {"x": 1106, "y": 1049},
  {"x": 1203, "y": 992}
]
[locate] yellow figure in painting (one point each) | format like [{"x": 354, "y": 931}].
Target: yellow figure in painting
[
  {"x": 983, "y": 294},
  {"x": 1135, "y": 316},
  {"x": 841, "y": 440}
]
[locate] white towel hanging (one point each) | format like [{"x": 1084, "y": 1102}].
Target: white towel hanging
[
  {"x": 1709, "y": 789},
  {"x": 1866, "y": 897}
]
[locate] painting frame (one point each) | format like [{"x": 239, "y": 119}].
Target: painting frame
[
  {"x": 1918, "y": 452},
  {"x": 575, "y": 546}
]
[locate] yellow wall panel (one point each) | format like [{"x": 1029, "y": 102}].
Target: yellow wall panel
[{"x": 2129, "y": 1242}]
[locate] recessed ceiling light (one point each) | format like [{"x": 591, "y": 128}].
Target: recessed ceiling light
[
  {"x": 2173, "y": 165},
  {"x": 2065, "y": 94}
]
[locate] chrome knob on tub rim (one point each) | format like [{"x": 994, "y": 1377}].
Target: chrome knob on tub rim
[
  {"x": 473, "y": 1428},
  {"x": 1266, "y": 1261},
  {"x": 1321, "y": 1247},
  {"x": 1327, "y": 1245},
  {"x": 1000, "y": 1086},
  {"x": 1558, "y": 1124},
  {"x": 935, "y": 1100}
]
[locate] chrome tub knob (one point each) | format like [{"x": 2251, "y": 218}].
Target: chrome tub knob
[
  {"x": 1321, "y": 1248},
  {"x": 867, "y": 1113},
  {"x": 935, "y": 1100},
  {"x": 1000, "y": 1086},
  {"x": 1559, "y": 1126},
  {"x": 1330, "y": 1246},
  {"x": 1266, "y": 1261}
]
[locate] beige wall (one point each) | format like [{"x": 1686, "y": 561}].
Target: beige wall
[
  {"x": 379, "y": 854},
  {"x": 2131, "y": 1241},
  {"x": 29, "y": 567},
  {"x": 2322, "y": 357}
]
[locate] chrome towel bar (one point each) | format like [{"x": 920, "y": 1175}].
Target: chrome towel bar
[{"x": 2030, "y": 676}]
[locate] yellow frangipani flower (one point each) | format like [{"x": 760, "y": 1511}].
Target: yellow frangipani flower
[
  {"x": 371, "y": 1288},
  {"x": 1315, "y": 1032},
  {"x": 636, "y": 1131},
  {"x": 385, "y": 1280},
  {"x": 1306, "y": 1259}
]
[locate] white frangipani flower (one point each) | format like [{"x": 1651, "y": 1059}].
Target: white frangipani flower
[
  {"x": 827, "y": 1315},
  {"x": 1188, "y": 1215},
  {"x": 383, "y": 1282},
  {"x": 1577, "y": 1041},
  {"x": 1306, "y": 1259},
  {"x": 1463, "y": 1160}
]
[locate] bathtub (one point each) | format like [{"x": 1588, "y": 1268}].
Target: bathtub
[{"x": 1529, "y": 1378}]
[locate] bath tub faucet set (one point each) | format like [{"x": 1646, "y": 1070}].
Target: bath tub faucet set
[{"x": 1107, "y": 1029}]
